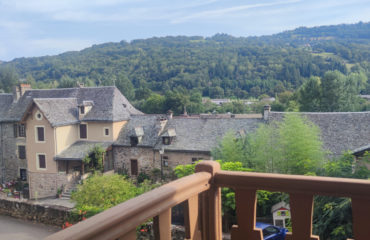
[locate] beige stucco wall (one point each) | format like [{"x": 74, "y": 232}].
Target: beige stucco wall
[
  {"x": 65, "y": 137},
  {"x": 95, "y": 131},
  {"x": 47, "y": 147},
  {"x": 117, "y": 126}
]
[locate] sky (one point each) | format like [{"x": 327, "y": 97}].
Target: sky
[{"x": 30, "y": 28}]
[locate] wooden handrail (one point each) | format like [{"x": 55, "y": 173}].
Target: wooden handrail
[
  {"x": 122, "y": 219},
  {"x": 328, "y": 186},
  {"x": 202, "y": 196}
]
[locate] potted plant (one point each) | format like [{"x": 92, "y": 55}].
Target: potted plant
[{"x": 59, "y": 192}]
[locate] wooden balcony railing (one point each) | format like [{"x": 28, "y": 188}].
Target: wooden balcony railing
[{"x": 202, "y": 196}]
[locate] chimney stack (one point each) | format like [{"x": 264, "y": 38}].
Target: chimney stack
[
  {"x": 169, "y": 114},
  {"x": 266, "y": 111},
  {"x": 19, "y": 90}
]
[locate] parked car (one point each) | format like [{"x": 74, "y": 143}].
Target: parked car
[{"x": 271, "y": 232}]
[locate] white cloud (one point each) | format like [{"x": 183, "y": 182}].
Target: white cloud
[
  {"x": 59, "y": 45},
  {"x": 224, "y": 11}
]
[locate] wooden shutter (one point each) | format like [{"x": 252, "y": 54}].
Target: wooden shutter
[
  {"x": 22, "y": 152},
  {"x": 42, "y": 161},
  {"x": 40, "y": 134},
  {"x": 134, "y": 167},
  {"x": 83, "y": 131}
]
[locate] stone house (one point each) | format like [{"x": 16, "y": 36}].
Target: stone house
[
  {"x": 340, "y": 131},
  {"x": 162, "y": 142},
  {"x": 53, "y": 130}
]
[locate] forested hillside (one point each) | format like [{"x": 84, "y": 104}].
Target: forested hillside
[{"x": 219, "y": 66}]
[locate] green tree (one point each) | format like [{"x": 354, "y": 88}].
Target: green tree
[
  {"x": 125, "y": 86},
  {"x": 310, "y": 95},
  {"x": 100, "y": 192},
  {"x": 154, "y": 104},
  {"x": 8, "y": 79}
]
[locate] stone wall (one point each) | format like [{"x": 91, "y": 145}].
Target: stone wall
[
  {"x": 123, "y": 155},
  {"x": 10, "y": 163},
  {"x": 149, "y": 159},
  {"x": 46, "y": 184},
  {"x": 55, "y": 215}
]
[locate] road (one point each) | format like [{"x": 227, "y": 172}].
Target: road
[{"x": 12, "y": 228}]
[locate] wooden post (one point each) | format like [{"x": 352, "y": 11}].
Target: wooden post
[
  {"x": 211, "y": 203},
  {"x": 361, "y": 217},
  {"x": 192, "y": 218},
  {"x": 162, "y": 226},
  {"x": 246, "y": 202},
  {"x": 301, "y": 208}
]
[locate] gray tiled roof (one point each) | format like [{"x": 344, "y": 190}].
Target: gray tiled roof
[
  {"x": 203, "y": 134},
  {"x": 109, "y": 103},
  {"x": 340, "y": 131},
  {"x": 5, "y": 103},
  {"x": 79, "y": 150},
  {"x": 151, "y": 125},
  {"x": 58, "y": 111}
]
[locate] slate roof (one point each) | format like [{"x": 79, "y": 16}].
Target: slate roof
[
  {"x": 151, "y": 128},
  {"x": 6, "y": 101},
  {"x": 58, "y": 111},
  {"x": 203, "y": 134},
  {"x": 109, "y": 103},
  {"x": 79, "y": 150},
  {"x": 340, "y": 131}
]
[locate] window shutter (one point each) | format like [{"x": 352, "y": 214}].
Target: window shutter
[
  {"x": 40, "y": 134},
  {"x": 42, "y": 163},
  {"x": 83, "y": 131},
  {"x": 15, "y": 129},
  {"x": 22, "y": 152}
]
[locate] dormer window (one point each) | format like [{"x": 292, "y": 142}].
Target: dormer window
[
  {"x": 166, "y": 140},
  {"x": 134, "y": 141},
  {"x": 82, "y": 110}
]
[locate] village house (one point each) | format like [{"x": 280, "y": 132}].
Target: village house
[{"x": 45, "y": 135}]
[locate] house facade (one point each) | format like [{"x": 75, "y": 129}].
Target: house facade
[{"x": 53, "y": 130}]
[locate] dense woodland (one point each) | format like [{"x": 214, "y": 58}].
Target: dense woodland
[{"x": 215, "y": 67}]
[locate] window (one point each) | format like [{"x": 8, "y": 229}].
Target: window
[
  {"x": 38, "y": 115},
  {"x": 106, "y": 132},
  {"x": 134, "y": 141},
  {"x": 19, "y": 130},
  {"x": 21, "y": 152},
  {"x": 134, "y": 167},
  {"x": 40, "y": 134},
  {"x": 82, "y": 109},
  {"x": 41, "y": 161},
  {"x": 83, "y": 131},
  {"x": 23, "y": 174},
  {"x": 166, "y": 140},
  {"x": 165, "y": 161}
]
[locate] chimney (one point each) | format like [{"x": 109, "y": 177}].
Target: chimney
[
  {"x": 19, "y": 90},
  {"x": 24, "y": 87},
  {"x": 169, "y": 114},
  {"x": 266, "y": 111},
  {"x": 80, "y": 85}
]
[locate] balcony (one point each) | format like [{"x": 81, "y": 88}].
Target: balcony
[{"x": 202, "y": 196}]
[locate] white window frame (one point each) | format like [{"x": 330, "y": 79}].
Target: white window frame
[
  {"x": 37, "y": 134},
  {"x": 105, "y": 128},
  {"x": 79, "y": 131},
  {"x": 38, "y": 162},
  {"x": 38, "y": 118}
]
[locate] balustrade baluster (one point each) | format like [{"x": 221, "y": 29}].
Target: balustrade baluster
[
  {"x": 246, "y": 201},
  {"x": 301, "y": 208},
  {"x": 361, "y": 218},
  {"x": 192, "y": 218},
  {"x": 162, "y": 225}
]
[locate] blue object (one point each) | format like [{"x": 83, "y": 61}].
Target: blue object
[{"x": 271, "y": 232}]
